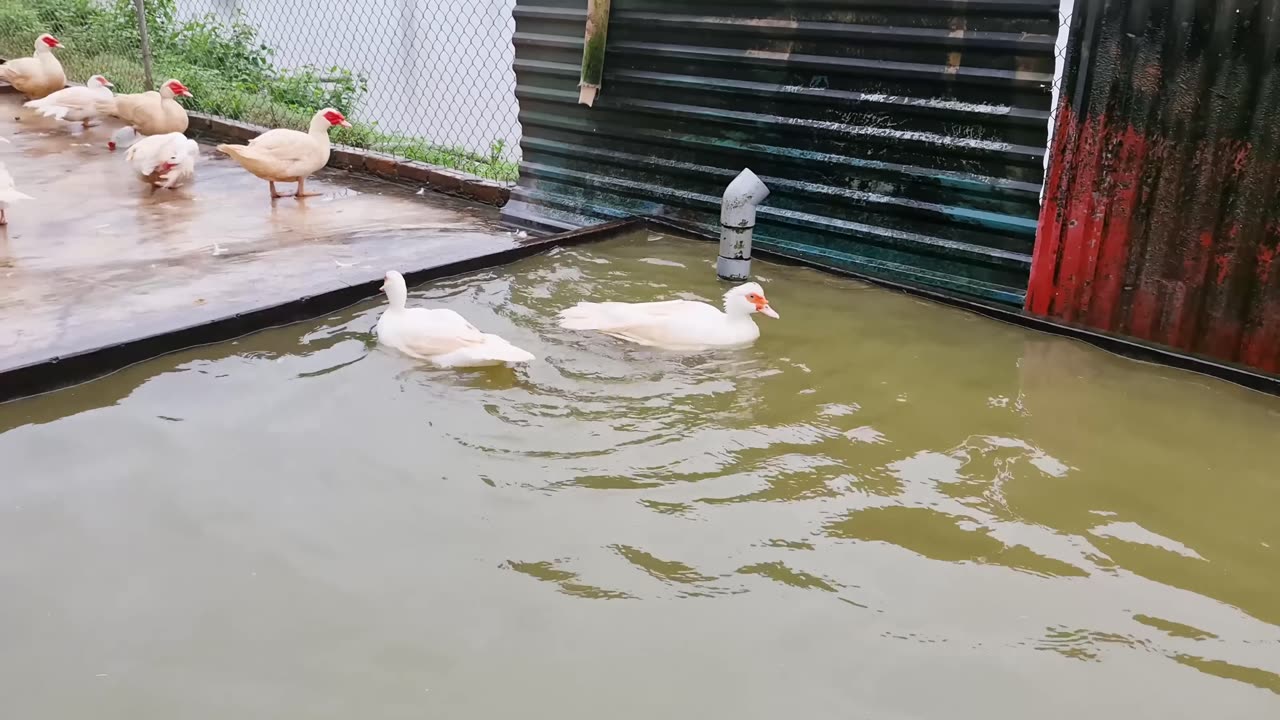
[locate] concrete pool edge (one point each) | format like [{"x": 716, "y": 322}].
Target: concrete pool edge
[{"x": 55, "y": 373}]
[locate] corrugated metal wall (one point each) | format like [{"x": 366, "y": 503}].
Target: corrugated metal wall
[
  {"x": 900, "y": 139},
  {"x": 1162, "y": 215}
]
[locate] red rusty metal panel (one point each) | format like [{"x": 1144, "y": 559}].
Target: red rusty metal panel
[{"x": 1161, "y": 216}]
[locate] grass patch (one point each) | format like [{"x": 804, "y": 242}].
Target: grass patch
[{"x": 230, "y": 72}]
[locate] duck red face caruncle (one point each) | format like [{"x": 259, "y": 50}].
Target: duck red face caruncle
[
  {"x": 336, "y": 118},
  {"x": 178, "y": 89}
]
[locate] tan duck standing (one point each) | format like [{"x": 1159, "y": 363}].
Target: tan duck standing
[
  {"x": 283, "y": 155},
  {"x": 38, "y": 75},
  {"x": 152, "y": 112}
]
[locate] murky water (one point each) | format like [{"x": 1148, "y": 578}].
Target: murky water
[{"x": 883, "y": 509}]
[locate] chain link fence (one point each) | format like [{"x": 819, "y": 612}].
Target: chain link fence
[
  {"x": 101, "y": 38},
  {"x": 1060, "y": 60},
  {"x": 427, "y": 80}
]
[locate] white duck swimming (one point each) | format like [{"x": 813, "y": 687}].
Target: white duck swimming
[
  {"x": 676, "y": 324},
  {"x": 439, "y": 335},
  {"x": 74, "y": 104},
  {"x": 165, "y": 161}
]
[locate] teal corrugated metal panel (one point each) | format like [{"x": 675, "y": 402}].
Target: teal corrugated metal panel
[{"x": 904, "y": 142}]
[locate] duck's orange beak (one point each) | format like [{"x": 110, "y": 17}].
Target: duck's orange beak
[{"x": 762, "y": 307}]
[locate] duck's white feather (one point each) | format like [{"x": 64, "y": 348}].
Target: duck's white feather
[
  {"x": 73, "y": 104},
  {"x": 439, "y": 335},
  {"x": 672, "y": 324},
  {"x": 8, "y": 191},
  {"x": 167, "y": 160}
]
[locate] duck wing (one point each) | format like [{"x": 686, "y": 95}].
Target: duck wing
[
  {"x": 436, "y": 331},
  {"x": 618, "y": 315}
]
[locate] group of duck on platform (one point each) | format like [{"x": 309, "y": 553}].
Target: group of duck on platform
[
  {"x": 165, "y": 158},
  {"x": 155, "y": 123}
]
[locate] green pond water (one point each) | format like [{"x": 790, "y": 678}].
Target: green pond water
[{"x": 885, "y": 508}]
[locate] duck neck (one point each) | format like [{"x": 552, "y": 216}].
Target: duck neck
[
  {"x": 319, "y": 129},
  {"x": 735, "y": 313},
  {"x": 396, "y": 296}
]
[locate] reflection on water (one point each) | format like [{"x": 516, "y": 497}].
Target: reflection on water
[{"x": 883, "y": 504}]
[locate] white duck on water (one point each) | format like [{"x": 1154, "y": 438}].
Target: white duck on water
[
  {"x": 438, "y": 335},
  {"x": 676, "y": 324}
]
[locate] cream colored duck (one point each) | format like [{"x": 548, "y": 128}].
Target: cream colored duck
[
  {"x": 74, "y": 104},
  {"x": 166, "y": 161},
  {"x": 38, "y": 75},
  {"x": 440, "y": 336},
  {"x": 283, "y": 155},
  {"x": 149, "y": 113},
  {"x": 676, "y": 324}
]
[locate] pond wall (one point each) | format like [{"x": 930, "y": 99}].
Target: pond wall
[
  {"x": 1162, "y": 212},
  {"x": 900, "y": 140}
]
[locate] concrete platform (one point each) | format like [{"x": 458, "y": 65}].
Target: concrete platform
[{"x": 99, "y": 258}]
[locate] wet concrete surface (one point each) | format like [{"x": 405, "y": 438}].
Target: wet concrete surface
[{"x": 99, "y": 258}]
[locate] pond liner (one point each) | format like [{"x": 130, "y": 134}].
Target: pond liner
[{"x": 60, "y": 372}]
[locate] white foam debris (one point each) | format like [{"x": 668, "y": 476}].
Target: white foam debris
[
  {"x": 904, "y": 135},
  {"x": 937, "y": 103}
]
